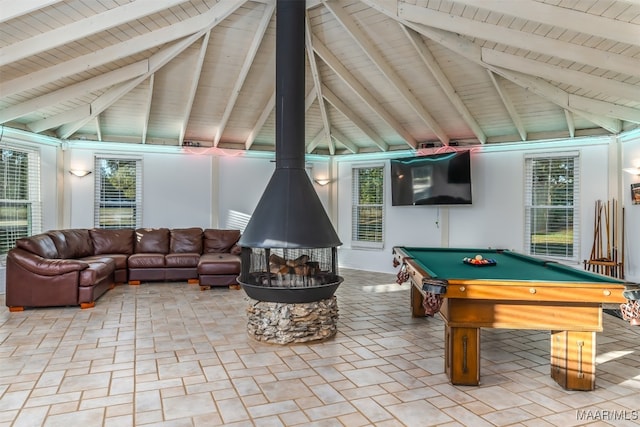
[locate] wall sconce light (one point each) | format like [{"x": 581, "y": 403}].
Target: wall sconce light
[
  {"x": 322, "y": 181},
  {"x": 79, "y": 172},
  {"x": 632, "y": 171}
]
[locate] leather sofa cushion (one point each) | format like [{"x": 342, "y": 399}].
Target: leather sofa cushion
[
  {"x": 75, "y": 243},
  {"x": 45, "y": 266},
  {"x": 219, "y": 263},
  {"x": 220, "y": 241},
  {"x": 107, "y": 241},
  {"x": 146, "y": 260},
  {"x": 152, "y": 241},
  {"x": 119, "y": 259},
  {"x": 40, "y": 244},
  {"x": 97, "y": 271},
  {"x": 186, "y": 240},
  {"x": 182, "y": 260}
]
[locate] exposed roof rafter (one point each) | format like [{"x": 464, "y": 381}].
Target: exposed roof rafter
[
  {"x": 244, "y": 70},
  {"x": 83, "y": 28},
  {"x": 381, "y": 76},
  {"x": 528, "y": 41},
  {"x": 372, "y": 52}
]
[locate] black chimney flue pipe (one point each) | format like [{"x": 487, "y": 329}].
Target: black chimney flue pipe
[
  {"x": 290, "y": 214},
  {"x": 290, "y": 83}
]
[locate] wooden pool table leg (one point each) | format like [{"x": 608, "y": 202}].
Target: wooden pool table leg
[
  {"x": 417, "y": 310},
  {"x": 462, "y": 355},
  {"x": 573, "y": 359}
]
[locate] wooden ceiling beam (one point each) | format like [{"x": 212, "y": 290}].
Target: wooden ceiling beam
[
  {"x": 385, "y": 68},
  {"x": 357, "y": 121},
  {"x": 519, "y": 39},
  {"x": 264, "y": 115},
  {"x": 473, "y": 52},
  {"x": 108, "y": 98},
  {"x": 562, "y": 17},
  {"x": 129, "y": 47},
  {"x": 147, "y": 112},
  {"x": 561, "y": 98},
  {"x": 82, "y": 112},
  {"x": 508, "y": 104},
  {"x": 98, "y": 128},
  {"x": 571, "y": 124},
  {"x": 83, "y": 28},
  {"x": 606, "y": 109},
  {"x": 79, "y": 89},
  {"x": 193, "y": 86},
  {"x": 244, "y": 70},
  {"x": 315, "y": 141},
  {"x": 361, "y": 91},
  {"x": 564, "y": 75},
  {"x": 339, "y": 137},
  {"x": 317, "y": 84},
  {"x": 14, "y": 9},
  {"x": 446, "y": 86}
]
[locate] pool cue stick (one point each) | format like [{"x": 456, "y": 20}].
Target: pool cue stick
[
  {"x": 622, "y": 260},
  {"x": 599, "y": 232},
  {"x": 595, "y": 230},
  {"x": 607, "y": 218},
  {"x": 614, "y": 238}
]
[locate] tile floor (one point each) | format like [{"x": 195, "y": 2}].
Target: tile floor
[{"x": 168, "y": 354}]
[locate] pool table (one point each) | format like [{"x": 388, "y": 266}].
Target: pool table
[{"x": 518, "y": 292}]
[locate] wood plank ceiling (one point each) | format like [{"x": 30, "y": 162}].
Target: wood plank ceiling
[{"x": 381, "y": 74}]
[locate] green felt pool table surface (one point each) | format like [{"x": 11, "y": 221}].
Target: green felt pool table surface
[{"x": 447, "y": 263}]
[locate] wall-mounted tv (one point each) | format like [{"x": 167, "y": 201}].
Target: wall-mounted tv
[{"x": 436, "y": 179}]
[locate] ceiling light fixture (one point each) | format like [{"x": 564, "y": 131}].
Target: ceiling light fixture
[
  {"x": 322, "y": 181},
  {"x": 632, "y": 171}
]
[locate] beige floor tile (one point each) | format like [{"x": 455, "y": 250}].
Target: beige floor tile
[{"x": 171, "y": 355}]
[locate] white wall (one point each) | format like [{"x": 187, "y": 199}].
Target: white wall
[
  {"x": 631, "y": 158},
  {"x": 496, "y": 218},
  {"x": 227, "y": 189},
  {"x": 214, "y": 190},
  {"x": 177, "y": 188},
  {"x": 243, "y": 180},
  {"x": 51, "y": 178}
]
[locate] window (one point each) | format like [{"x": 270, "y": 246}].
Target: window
[
  {"x": 118, "y": 201},
  {"x": 552, "y": 206},
  {"x": 368, "y": 207},
  {"x": 20, "y": 207}
]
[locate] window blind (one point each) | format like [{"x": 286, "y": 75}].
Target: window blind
[
  {"x": 20, "y": 204},
  {"x": 368, "y": 206},
  {"x": 118, "y": 193},
  {"x": 552, "y": 196}
]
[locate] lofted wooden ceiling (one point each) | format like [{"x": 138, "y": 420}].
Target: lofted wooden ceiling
[{"x": 381, "y": 75}]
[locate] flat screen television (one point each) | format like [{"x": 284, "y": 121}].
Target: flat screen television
[{"x": 436, "y": 179}]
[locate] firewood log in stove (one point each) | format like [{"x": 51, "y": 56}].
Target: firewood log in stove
[{"x": 299, "y": 266}]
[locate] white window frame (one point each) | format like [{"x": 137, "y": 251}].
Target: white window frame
[
  {"x": 366, "y": 244},
  {"x": 529, "y": 160},
  {"x": 33, "y": 200},
  {"x": 99, "y": 203}
]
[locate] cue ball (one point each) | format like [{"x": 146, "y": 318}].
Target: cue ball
[{"x": 479, "y": 257}]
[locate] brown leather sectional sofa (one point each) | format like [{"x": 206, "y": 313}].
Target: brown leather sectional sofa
[{"x": 77, "y": 266}]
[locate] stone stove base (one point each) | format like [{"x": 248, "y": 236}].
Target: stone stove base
[{"x": 285, "y": 323}]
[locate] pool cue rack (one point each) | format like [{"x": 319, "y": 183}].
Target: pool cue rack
[{"x": 607, "y": 257}]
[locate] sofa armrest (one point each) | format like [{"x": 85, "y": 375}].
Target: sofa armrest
[{"x": 43, "y": 266}]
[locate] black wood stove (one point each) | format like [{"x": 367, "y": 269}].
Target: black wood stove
[{"x": 289, "y": 246}]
